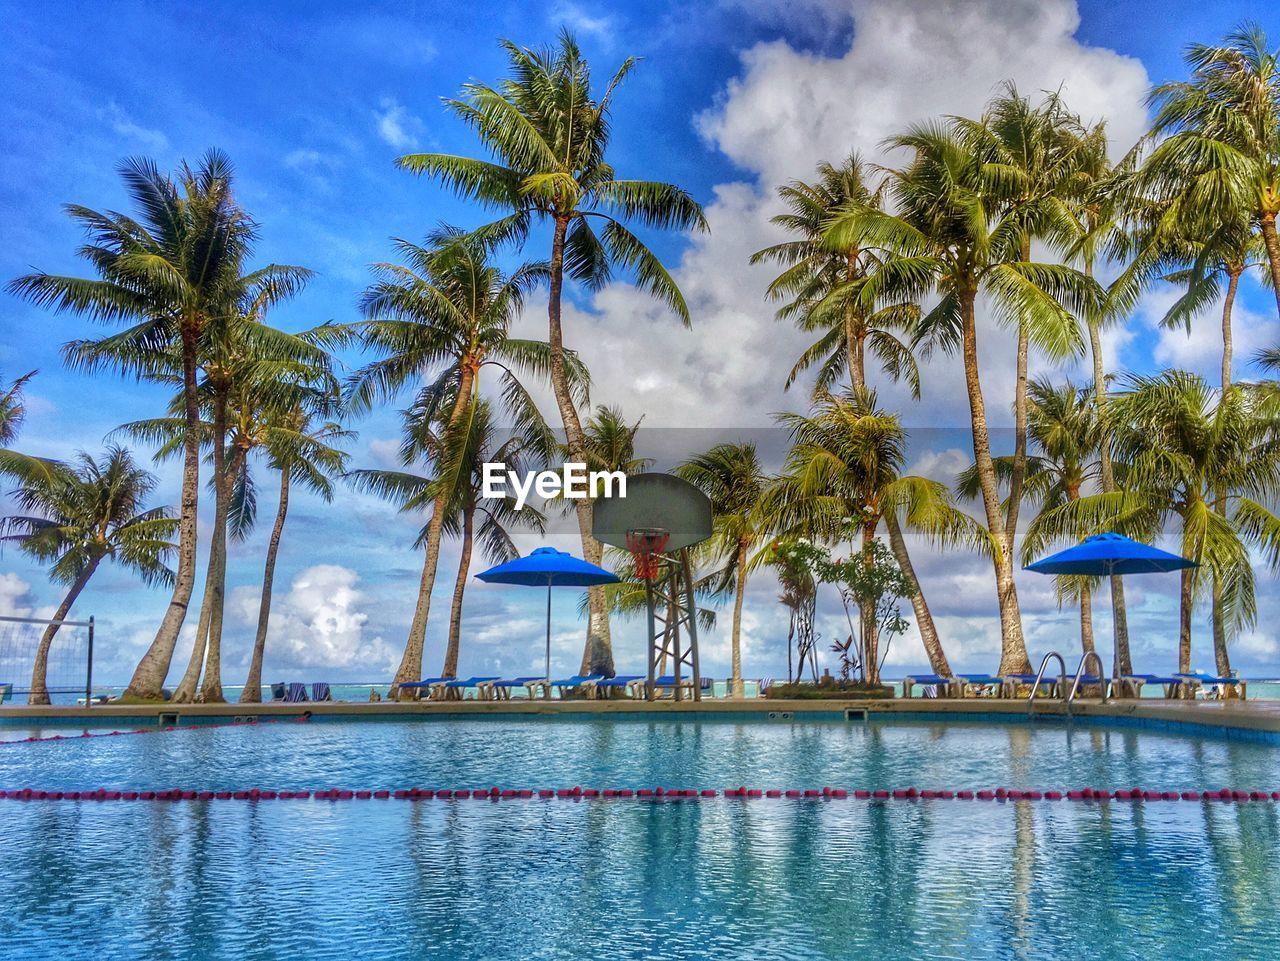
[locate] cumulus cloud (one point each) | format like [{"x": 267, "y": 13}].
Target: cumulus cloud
[
  {"x": 318, "y": 623},
  {"x": 396, "y": 125},
  {"x": 16, "y": 599}
]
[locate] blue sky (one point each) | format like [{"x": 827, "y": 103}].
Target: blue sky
[{"x": 314, "y": 101}]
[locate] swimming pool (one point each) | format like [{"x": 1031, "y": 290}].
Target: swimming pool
[{"x": 630, "y": 879}]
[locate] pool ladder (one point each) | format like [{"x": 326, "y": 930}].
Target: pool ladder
[{"x": 1062, "y": 678}]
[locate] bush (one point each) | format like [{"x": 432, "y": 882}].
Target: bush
[{"x": 850, "y": 690}]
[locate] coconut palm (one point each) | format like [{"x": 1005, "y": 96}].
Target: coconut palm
[
  {"x": 12, "y": 409},
  {"x": 1221, "y": 150},
  {"x": 246, "y": 370},
  {"x": 844, "y": 470},
  {"x": 78, "y": 515},
  {"x": 442, "y": 317},
  {"x": 1066, "y": 438},
  {"x": 548, "y": 135},
  {"x": 300, "y": 448},
  {"x": 1184, "y": 444},
  {"x": 731, "y": 476},
  {"x": 456, "y": 451},
  {"x": 955, "y": 235},
  {"x": 820, "y": 282},
  {"x": 173, "y": 274}
]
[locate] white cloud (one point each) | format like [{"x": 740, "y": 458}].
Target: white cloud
[
  {"x": 1200, "y": 350},
  {"x": 318, "y": 623},
  {"x": 16, "y": 599},
  {"x": 123, "y": 125},
  {"x": 582, "y": 21},
  {"x": 396, "y": 125},
  {"x": 787, "y": 111}
]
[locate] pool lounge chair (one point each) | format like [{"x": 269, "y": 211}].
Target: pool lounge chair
[
  {"x": 297, "y": 693},
  {"x": 941, "y": 683},
  {"x": 668, "y": 683},
  {"x": 623, "y": 682},
  {"x": 278, "y": 691},
  {"x": 1131, "y": 685},
  {"x": 1014, "y": 681},
  {"x": 1213, "y": 686},
  {"x": 320, "y": 691},
  {"x": 456, "y": 690},
  {"x": 6, "y": 691},
  {"x": 586, "y": 682},
  {"x": 1087, "y": 680},
  {"x": 500, "y": 689},
  {"x": 979, "y": 685},
  {"x": 423, "y": 685}
]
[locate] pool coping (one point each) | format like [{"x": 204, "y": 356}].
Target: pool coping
[{"x": 1252, "y": 716}]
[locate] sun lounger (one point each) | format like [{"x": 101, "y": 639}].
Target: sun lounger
[
  {"x": 320, "y": 691},
  {"x": 1131, "y": 684},
  {"x": 764, "y": 684},
  {"x": 941, "y": 683},
  {"x": 423, "y": 685},
  {"x": 979, "y": 685},
  {"x": 1087, "y": 680},
  {"x": 278, "y": 691},
  {"x": 500, "y": 689},
  {"x": 586, "y": 682},
  {"x": 623, "y": 682},
  {"x": 1014, "y": 681},
  {"x": 6, "y": 691},
  {"x": 455, "y": 690},
  {"x": 1212, "y": 685},
  {"x": 297, "y": 693},
  {"x": 668, "y": 682}
]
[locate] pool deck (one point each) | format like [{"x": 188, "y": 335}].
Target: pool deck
[{"x": 1262, "y": 716}]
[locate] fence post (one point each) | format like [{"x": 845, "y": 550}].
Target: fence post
[{"x": 88, "y": 672}]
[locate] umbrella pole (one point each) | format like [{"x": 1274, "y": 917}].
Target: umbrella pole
[{"x": 548, "y": 628}]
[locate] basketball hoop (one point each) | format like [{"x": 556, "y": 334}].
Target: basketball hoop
[{"x": 646, "y": 545}]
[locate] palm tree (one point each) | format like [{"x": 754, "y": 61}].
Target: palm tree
[
  {"x": 12, "y": 410},
  {"x": 1222, "y": 148},
  {"x": 731, "y": 476},
  {"x": 844, "y": 470},
  {"x": 443, "y": 317},
  {"x": 457, "y": 452},
  {"x": 955, "y": 234},
  {"x": 300, "y": 448},
  {"x": 246, "y": 370},
  {"x": 822, "y": 282},
  {"x": 173, "y": 273},
  {"x": 77, "y": 516},
  {"x": 1184, "y": 443},
  {"x": 549, "y": 137},
  {"x": 1066, "y": 436}
]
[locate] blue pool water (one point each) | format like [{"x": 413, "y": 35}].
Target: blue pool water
[{"x": 770, "y": 879}]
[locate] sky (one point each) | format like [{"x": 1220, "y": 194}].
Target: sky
[{"x": 314, "y": 101}]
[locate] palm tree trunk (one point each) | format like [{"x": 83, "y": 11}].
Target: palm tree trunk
[
  {"x": 1184, "y": 622},
  {"x": 597, "y": 654},
  {"x": 867, "y": 611},
  {"x": 148, "y": 678},
  {"x": 185, "y": 692},
  {"x": 252, "y": 692},
  {"x": 1013, "y": 649},
  {"x": 853, "y": 335},
  {"x": 1019, "y": 468},
  {"x": 736, "y": 688},
  {"x": 211, "y": 689},
  {"x": 1220, "y": 654},
  {"x": 450, "y": 668},
  {"x": 39, "y": 673},
  {"x": 1119, "y": 612},
  {"x": 1270, "y": 241},
  {"x": 924, "y": 617},
  {"x": 1086, "y": 620},
  {"x": 410, "y": 668}
]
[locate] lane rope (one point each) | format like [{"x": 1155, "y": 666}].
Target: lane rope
[{"x": 655, "y": 794}]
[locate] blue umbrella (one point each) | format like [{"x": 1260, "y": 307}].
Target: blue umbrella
[
  {"x": 551, "y": 567},
  {"x": 1106, "y": 554}
]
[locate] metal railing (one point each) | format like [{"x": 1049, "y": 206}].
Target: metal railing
[
  {"x": 1102, "y": 677},
  {"x": 1044, "y": 666}
]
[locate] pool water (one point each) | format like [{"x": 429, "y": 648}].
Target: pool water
[{"x": 719, "y": 878}]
